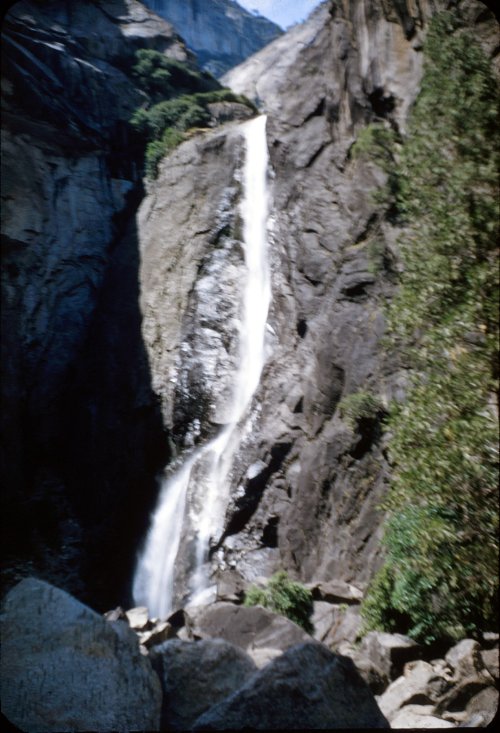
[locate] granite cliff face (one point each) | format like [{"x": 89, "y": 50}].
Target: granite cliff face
[
  {"x": 220, "y": 32},
  {"x": 75, "y": 387},
  {"x": 99, "y": 391},
  {"x": 308, "y": 478}
]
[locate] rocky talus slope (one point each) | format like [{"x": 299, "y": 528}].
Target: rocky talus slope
[
  {"x": 220, "y": 32},
  {"x": 222, "y": 667}
]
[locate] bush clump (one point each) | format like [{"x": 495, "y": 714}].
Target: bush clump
[
  {"x": 359, "y": 406},
  {"x": 157, "y": 149},
  {"x": 286, "y": 597},
  {"x": 440, "y": 576},
  {"x": 162, "y": 77},
  {"x": 179, "y": 99}
]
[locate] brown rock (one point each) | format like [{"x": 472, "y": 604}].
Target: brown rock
[{"x": 247, "y": 627}]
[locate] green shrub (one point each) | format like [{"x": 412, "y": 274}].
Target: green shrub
[
  {"x": 157, "y": 149},
  {"x": 440, "y": 576},
  {"x": 179, "y": 98},
  {"x": 162, "y": 77},
  {"x": 359, "y": 406},
  {"x": 285, "y": 597},
  {"x": 182, "y": 113},
  {"x": 377, "y": 142}
]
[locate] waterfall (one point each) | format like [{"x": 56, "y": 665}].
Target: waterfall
[{"x": 197, "y": 491}]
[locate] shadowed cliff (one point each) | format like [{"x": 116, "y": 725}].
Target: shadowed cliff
[{"x": 82, "y": 435}]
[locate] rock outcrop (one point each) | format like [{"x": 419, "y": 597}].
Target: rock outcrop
[
  {"x": 221, "y": 33},
  {"x": 64, "y": 667},
  {"x": 78, "y": 412},
  {"x": 196, "y": 676},
  {"x": 307, "y": 481},
  {"x": 307, "y": 688}
]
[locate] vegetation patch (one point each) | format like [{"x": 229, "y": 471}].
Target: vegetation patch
[
  {"x": 179, "y": 99},
  {"x": 359, "y": 406},
  {"x": 440, "y": 576},
  {"x": 286, "y": 597}
]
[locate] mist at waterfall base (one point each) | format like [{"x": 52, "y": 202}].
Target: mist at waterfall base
[{"x": 198, "y": 489}]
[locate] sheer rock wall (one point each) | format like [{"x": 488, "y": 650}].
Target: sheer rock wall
[{"x": 307, "y": 482}]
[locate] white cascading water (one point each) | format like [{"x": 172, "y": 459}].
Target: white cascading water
[{"x": 202, "y": 481}]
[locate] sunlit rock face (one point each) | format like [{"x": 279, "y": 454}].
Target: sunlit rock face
[
  {"x": 306, "y": 481},
  {"x": 119, "y": 331},
  {"x": 220, "y": 32}
]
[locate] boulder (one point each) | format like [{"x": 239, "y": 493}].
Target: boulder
[
  {"x": 117, "y": 614},
  {"x": 196, "y": 675},
  {"x": 250, "y": 628},
  {"x": 490, "y": 660},
  {"x": 465, "y": 658},
  {"x": 374, "y": 677},
  {"x": 461, "y": 695},
  {"x": 419, "y": 685},
  {"x": 307, "y": 687},
  {"x": 138, "y": 618},
  {"x": 484, "y": 704},
  {"x": 161, "y": 631},
  {"x": 419, "y": 716},
  {"x": 346, "y": 626},
  {"x": 324, "y": 617},
  {"x": 263, "y": 656},
  {"x": 335, "y": 591},
  {"x": 389, "y": 652},
  {"x": 64, "y": 667}
]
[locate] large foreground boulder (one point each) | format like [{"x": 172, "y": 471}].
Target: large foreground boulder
[
  {"x": 197, "y": 675},
  {"x": 306, "y": 688},
  {"x": 65, "y": 668}
]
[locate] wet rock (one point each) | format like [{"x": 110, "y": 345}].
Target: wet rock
[
  {"x": 64, "y": 667},
  {"x": 197, "y": 675},
  {"x": 307, "y": 688}
]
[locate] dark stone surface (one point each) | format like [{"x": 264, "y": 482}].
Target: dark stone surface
[
  {"x": 307, "y": 688},
  {"x": 250, "y": 627},
  {"x": 82, "y": 432},
  {"x": 197, "y": 675},
  {"x": 64, "y": 667}
]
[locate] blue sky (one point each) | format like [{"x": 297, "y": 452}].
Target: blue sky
[{"x": 283, "y": 12}]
